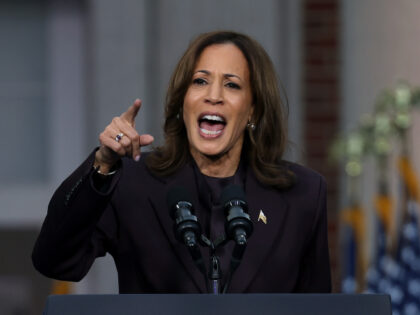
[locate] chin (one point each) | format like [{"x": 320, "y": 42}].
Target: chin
[{"x": 211, "y": 151}]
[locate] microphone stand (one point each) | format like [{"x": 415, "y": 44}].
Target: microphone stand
[
  {"x": 215, "y": 271},
  {"x": 215, "y": 274}
]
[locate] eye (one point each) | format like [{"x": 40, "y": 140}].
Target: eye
[
  {"x": 233, "y": 85},
  {"x": 199, "y": 81}
]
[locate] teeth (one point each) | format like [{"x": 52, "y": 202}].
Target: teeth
[
  {"x": 210, "y": 132},
  {"x": 213, "y": 118}
]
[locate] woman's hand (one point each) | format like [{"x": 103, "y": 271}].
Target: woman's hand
[{"x": 120, "y": 138}]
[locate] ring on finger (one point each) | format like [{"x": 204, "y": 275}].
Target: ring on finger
[{"x": 119, "y": 136}]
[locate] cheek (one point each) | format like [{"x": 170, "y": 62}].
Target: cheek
[
  {"x": 189, "y": 122},
  {"x": 240, "y": 126},
  {"x": 186, "y": 112},
  {"x": 188, "y": 108},
  {"x": 241, "y": 123}
]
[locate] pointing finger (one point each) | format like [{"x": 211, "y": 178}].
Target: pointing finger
[{"x": 131, "y": 113}]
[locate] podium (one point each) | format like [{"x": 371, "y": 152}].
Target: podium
[{"x": 206, "y": 304}]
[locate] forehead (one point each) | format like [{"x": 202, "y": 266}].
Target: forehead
[{"x": 227, "y": 58}]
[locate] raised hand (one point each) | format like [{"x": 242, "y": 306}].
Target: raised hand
[{"x": 120, "y": 138}]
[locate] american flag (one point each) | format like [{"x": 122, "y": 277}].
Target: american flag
[
  {"x": 400, "y": 276},
  {"x": 349, "y": 283},
  {"x": 353, "y": 258}
]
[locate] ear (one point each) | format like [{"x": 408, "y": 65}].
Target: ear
[
  {"x": 180, "y": 115},
  {"x": 251, "y": 113}
]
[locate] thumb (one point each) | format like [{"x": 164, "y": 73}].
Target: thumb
[{"x": 146, "y": 139}]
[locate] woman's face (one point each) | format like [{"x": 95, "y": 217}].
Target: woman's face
[{"x": 218, "y": 102}]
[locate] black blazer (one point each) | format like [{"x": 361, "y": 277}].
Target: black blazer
[{"x": 132, "y": 223}]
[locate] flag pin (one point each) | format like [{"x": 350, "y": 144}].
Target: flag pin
[{"x": 262, "y": 217}]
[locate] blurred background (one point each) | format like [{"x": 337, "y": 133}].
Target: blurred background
[{"x": 68, "y": 67}]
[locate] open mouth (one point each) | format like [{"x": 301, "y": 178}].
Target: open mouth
[{"x": 211, "y": 125}]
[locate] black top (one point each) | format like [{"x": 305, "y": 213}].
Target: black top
[{"x": 213, "y": 218}]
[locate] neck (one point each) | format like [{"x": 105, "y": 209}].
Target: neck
[{"x": 223, "y": 165}]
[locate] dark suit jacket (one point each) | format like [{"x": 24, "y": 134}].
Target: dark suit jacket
[{"x": 132, "y": 223}]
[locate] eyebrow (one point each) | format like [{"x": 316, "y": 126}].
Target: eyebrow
[{"x": 226, "y": 75}]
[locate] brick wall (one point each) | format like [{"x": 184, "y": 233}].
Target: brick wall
[{"x": 321, "y": 100}]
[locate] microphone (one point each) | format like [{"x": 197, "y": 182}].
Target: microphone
[
  {"x": 187, "y": 229},
  {"x": 238, "y": 225}
]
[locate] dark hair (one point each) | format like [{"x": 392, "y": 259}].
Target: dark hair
[{"x": 264, "y": 146}]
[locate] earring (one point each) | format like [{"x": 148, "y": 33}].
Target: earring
[{"x": 251, "y": 126}]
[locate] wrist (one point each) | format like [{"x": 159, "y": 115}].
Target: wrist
[
  {"x": 103, "y": 173},
  {"x": 100, "y": 166}
]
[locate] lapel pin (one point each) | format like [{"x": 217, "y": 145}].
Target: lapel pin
[{"x": 262, "y": 217}]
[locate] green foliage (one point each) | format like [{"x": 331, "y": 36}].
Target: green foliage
[{"x": 375, "y": 132}]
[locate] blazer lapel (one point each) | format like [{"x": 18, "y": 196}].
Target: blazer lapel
[
  {"x": 184, "y": 177},
  {"x": 271, "y": 203}
]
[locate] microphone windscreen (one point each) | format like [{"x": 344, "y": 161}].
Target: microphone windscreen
[
  {"x": 177, "y": 194},
  {"x": 232, "y": 192}
]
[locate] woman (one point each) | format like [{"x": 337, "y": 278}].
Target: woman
[{"x": 224, "y": 124}]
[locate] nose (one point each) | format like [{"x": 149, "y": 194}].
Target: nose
[{"x": 214, "y": 94}]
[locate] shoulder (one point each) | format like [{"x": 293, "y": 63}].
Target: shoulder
[
  {"x": 304, "y": 175},
  {"x": 307, "y": 198},
  {"x": 308, "y": 182}
]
